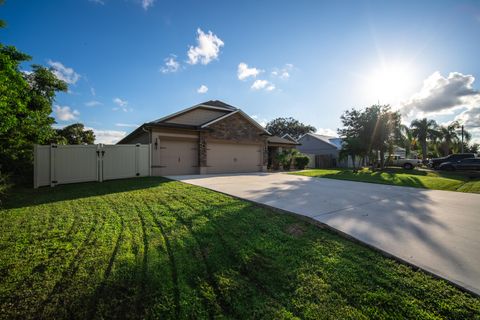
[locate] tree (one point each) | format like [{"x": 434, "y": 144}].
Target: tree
[
  {"x": 370, "y": 132},
  {"x": 75, "y": 134},
  {"x": 291, "y": 126},
  {"x": 351, "y": 147},
  {"x": 474, "y": 148},
  {"x": 25, "y": 107},
  {"x": 424, "y": 130},
  {"x": 449, "y": 137}
]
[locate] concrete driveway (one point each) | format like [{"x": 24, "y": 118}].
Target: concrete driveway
[{"x": 436, "y": 230}]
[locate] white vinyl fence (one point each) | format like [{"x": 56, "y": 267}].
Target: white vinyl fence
[{"x": 60, "y": 164}]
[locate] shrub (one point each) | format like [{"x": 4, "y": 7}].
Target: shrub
[
  {"x": 286, "y": 157},
  {"x": 301, "y": 161}
]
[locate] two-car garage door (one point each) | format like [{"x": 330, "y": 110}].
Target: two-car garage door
[
  {"x": 180, "y": 157},
  {"x": 231, "y": 158}
]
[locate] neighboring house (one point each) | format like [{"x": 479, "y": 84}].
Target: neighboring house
[
  {"x": 326, "y": 149},
  {"x": 211, "y": 137}
]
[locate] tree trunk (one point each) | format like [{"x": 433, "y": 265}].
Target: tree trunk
[
  {"x": 382, "y": 159},
  {"x": 424, "y": 150}
]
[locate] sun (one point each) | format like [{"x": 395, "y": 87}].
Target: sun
[{"x": 389, "y": 84}]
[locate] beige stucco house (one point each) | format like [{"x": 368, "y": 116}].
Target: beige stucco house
[{"x": 211, "y": 137}]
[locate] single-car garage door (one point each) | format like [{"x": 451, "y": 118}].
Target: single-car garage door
[
  {"x": 231, "y": 158},
  {"x": 175, "y": 157}
]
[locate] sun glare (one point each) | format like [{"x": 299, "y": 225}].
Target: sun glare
[{"x": 389, "y": 84}]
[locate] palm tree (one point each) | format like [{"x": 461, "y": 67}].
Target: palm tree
[
  {"x": 449, "y": 137},
  {"x": 424, "y": 130},
  {"x": 407, "y": 139}
]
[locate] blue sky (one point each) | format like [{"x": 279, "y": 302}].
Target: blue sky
[{"x": 307, "y": 59}]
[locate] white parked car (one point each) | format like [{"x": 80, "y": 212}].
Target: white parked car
[{"x": 398, "y": 161}]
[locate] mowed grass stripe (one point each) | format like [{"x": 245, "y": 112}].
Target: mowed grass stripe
[
  {"x": 232, "y": 259},
  {"x": 196, "y": 203}
]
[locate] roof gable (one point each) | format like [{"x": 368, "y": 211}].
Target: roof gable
[
  {"x": 197, "y": 116},
  {"x": 334, "y": 142},
  {"x": 281, "y": 140},
  {"x": 211, "y": 105},
  {"x": 240, "y": 113}
]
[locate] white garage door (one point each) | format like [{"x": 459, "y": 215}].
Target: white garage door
[
  {"x": 231, "y": 158},
  {"x": 175, "y": 157}
]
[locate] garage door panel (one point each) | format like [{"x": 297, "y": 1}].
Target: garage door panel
[
  {"x": 176, "y": 157},
  {"x": 232, "y": 158}
]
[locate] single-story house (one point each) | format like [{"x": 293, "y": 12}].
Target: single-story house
[
  {"x": 210, "y": 137},
  {"x": 326, "y": 149}
]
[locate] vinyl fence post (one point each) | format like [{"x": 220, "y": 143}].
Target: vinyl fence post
[
  {"x": 150, "y": 159},
  {"x": 53, "y": 149},
  {"x": 137, "y": 159},
  {"x": 35, "y": 166},
  {"x": 100, "y": 162}
]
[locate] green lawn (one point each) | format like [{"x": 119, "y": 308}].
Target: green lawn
[
  {"x": 400, "y": 177},
  {"x": 155, "y": 248}
]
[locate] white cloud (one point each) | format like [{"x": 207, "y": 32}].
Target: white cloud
[
  {"x": 92, "y": 91},
  {"x": 207, "y": 49},
  {"x": 259, "y": 84},
  {"x": 470, "y": 117},
  {"x": 326, "y": 132},
  {"x": 442, "y": 95},
  {"x": 262, "y": 84},
  {"x": 244, "y": 72},
  {"x": 98, "y": 2},
  {"x": 127, "y": 125},
  {"x": 65, "y": 113},
  {"x": 63, "y": 73},
  {"x": 122, "y": 105},
  {"x": 283, "y": 73},
  {"x": 147, "y": 4},
  {"x": 203, "y": 89},
  {"x": 261, "y": 121},
  {"x": 171, "y": 65},
  {"x": 107, "y": 136},
  {"x": 93, "y": 103}
]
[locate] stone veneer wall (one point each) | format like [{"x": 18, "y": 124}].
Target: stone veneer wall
[
  {"x": 202, "y": 149},
  {"x": 234, "y": 128}
]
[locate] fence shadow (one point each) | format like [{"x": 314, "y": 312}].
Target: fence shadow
[{"x": 22, "y": 196}]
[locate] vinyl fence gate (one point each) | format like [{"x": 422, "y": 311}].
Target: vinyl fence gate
[{"x": 61, "y": 164}]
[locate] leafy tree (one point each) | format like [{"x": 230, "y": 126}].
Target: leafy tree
[
  {"x": 474, "y": 148},
  {"x": 371, "y": 132},
  {"x": 2, "y": 22},
  {"x": 291, "y": 126},
  {"x": 424, "y": 130},
  {"x": 75, "y": 134},
  {"x": 352, "y": 147},
  {"x": 25, "y": 107}
]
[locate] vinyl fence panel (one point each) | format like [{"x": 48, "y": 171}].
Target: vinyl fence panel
[
  {"x": 74, "y": 163},
  {"x": 80, "y": 163},
  {"x": 41, "y": 169},
  {"x": 144, "y": 160},
  {"x": 119, "y": 161}
]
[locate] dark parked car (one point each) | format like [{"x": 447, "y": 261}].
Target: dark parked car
[
  {"x": 464, "y": 164},
  {"x": 436, "y": 162}
]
